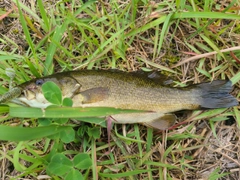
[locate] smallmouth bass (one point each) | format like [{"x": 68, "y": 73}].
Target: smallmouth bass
[{"x": 118, "y": 89}]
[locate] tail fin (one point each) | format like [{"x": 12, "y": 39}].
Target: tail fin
[{"x": 216, "y": 94}]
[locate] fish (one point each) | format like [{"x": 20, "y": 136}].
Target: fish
[{"x": 148, "y": 92}]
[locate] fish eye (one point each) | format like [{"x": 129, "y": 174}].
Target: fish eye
[{"x": 39, "y": 82}]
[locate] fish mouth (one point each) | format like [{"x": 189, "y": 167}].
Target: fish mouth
[
  {"x": 29, "y": 94},
  {"x": 30, "y": 91},
  {"x": 25, "y": 97},
  {"x": 32, "y": 99}
]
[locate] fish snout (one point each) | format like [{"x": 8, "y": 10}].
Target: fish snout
[{"x": 31, "y": 87}]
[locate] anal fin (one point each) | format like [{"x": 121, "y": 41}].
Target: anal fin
[
  {"x": 162, "y": 123},
  {"x": 155, "y": 120}
]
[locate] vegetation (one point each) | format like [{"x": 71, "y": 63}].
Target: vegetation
[{"x": 189, "y": 41}]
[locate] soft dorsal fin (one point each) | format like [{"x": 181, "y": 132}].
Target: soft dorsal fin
[{"x": 155, "y": 76}]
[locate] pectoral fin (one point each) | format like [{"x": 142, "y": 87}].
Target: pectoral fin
[
  {"x": 163, "y": 122},
  {"x": 94, "y": 95}
]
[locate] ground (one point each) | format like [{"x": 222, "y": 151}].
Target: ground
[{"x": 188, "y": 41}]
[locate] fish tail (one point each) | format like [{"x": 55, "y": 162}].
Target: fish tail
[{"x": 216, "y": 94}]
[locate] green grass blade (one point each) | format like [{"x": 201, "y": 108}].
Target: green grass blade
[
  {"x": 59, "y": 30},
  {"x": 195, "y": 9},
  {"x": 236, "y": 78},
  {"x": 164, "y": 32},
  {"x": 46, "y": 26},
  {"x": 125, "y": 174},
  {"x": 103, "y": 46},
  {"x": 28, "y": 10},
  {"x": 4, "y": 109},
  {"x": 84, "y": 6},
  {"x": 207, "y": 15},
  {"x": 9, "y": 133},
  {"x": 32, "y": 68},
  {"x": 25, "y": 28},
  {"x": 94, "y": 160},
  {"x": 210, "y": 43},
  {"x": 146, "y": 26},
  {"x": 210, "y": 113},
  {"x": 18, "y": 166},
  {"x": 237, "y": 114},
  {"x": 149, "y": 138},
  {"x": 65, "y": 112}
]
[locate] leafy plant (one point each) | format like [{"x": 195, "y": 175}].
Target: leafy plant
[{"x": 62, "y": 166}]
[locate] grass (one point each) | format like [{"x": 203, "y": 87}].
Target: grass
[{"x": 191, "y": 41}]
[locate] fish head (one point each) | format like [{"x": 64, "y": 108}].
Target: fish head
[{"x": 32, "y": 94}]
